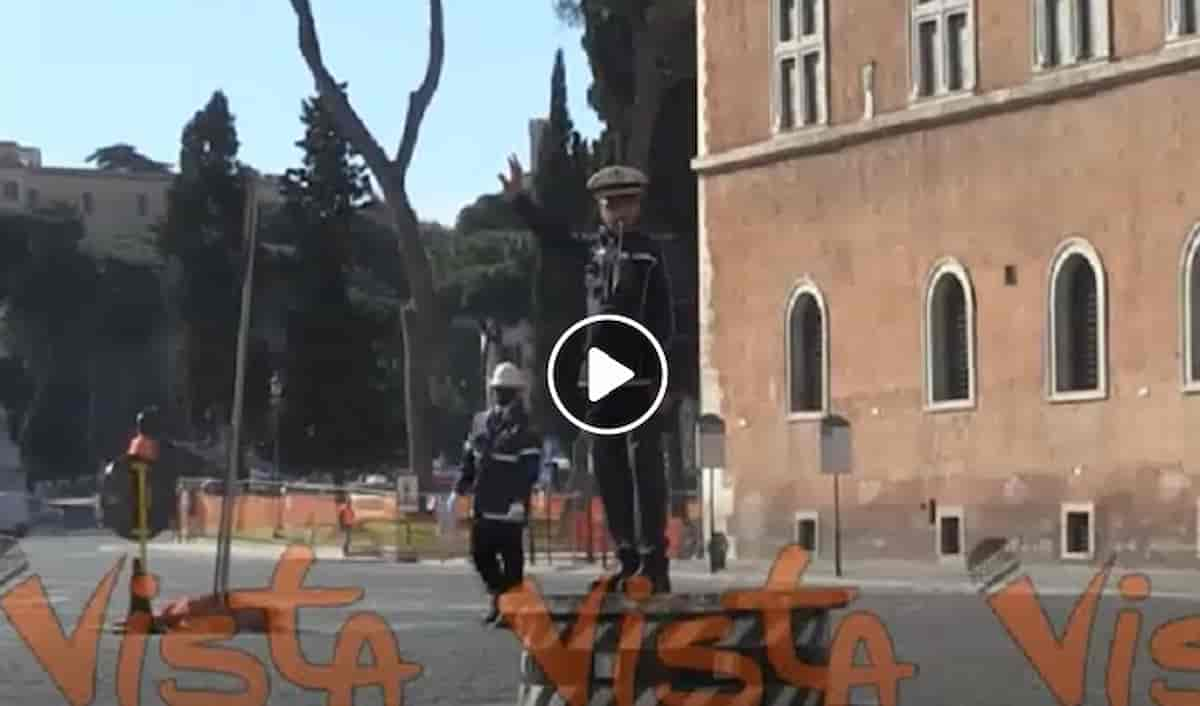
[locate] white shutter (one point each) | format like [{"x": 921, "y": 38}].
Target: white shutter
[
  {"x": 1101, "y": 28},
  {"x": 1040, "y": 32}
]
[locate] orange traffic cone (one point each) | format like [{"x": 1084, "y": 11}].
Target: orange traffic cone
[{"x": 142, "y": 589}]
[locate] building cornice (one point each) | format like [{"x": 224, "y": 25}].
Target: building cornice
[{"x": 1043, "y": 88}]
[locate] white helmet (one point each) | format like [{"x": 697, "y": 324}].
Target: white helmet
[{"x": 507, "y": 375}]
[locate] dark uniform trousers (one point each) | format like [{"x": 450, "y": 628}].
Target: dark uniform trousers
[
  {"x": 498, "y": 550},
  {"x": 637, "y": 493}
]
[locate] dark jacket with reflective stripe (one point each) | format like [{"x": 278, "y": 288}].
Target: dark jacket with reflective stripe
[
  {"x": 500, "y": 465},
  {"x": 642, "y": 293}
]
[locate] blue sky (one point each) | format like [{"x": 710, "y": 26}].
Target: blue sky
[{"x": 79, "y": 75}]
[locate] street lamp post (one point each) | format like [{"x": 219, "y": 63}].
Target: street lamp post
[{"x": 276, "y": 408}]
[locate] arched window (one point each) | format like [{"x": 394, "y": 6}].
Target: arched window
[
  {"x": 1189, "y": 324},
  {"x": 807, "y": 352},
  {"x": 949, "y": 336},
  {"x": 1078, "y": 334}
]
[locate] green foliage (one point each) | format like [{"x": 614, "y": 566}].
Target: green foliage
[
  {"x": 125, "y": 157},
  {"x": 485, "y": 274},
  {"x": 63, "y": 312},
  {"x": 338, "y": 386},
  {"x": 203, "y": 231}
]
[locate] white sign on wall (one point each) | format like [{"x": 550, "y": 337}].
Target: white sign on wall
[{"x": 407, "y": 497}]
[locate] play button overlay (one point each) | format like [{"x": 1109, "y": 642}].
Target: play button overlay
[
  {"x": 604, "y": 374},
  {"x": 607, "y": 374}
]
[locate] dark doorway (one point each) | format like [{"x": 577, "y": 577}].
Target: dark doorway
[{"x": 951, "y": 527}]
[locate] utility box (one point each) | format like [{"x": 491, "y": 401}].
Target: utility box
[
  {"x": 837, "y": 454},
  {"x": 710, "y": 441}
]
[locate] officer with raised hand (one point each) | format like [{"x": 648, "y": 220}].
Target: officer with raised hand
[
  {"x": 501, "y": 462},
  {"x": 626, "y": 275}
]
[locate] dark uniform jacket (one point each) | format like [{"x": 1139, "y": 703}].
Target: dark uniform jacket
[
  {"x": 640, "y": 290},
  {"x": 643, "y": 292},
  {"x": 500, "y": 465}
]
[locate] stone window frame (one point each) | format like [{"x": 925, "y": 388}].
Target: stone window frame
[
  {"x": 815, "y": 516},
  {"x": 1071, "y": 247},
  {"x": 796, "y": 50},
  {"x": 1173, "y": 12},
  {"x": 922, "y": 12},
  {"x": 956, "y": 511},
  {"x": 949, "y": 267},
  {"x": 1100, "y": 35},
  {"x": 1189, "y": 300},
  {"x": 1065, "y": 509},
  {"x": 805, "y": 286}
]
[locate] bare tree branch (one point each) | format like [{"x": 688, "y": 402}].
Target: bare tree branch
[
  {"x": 333, "y": 96},
  {"x": 419, "y": 100}
]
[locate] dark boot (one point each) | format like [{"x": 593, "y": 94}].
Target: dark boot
[
  {"x": 630, "y": 563},
  {"x": 493, "y": 615},
  {"x": 656, "y": 567}
]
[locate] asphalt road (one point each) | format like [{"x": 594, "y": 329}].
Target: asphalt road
[{"x": 964, "y": 656}]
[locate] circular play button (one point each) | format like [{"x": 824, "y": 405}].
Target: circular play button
[{"x": 607, "y": 374}]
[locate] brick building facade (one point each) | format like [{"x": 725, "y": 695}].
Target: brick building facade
[{"x": 971, "y": 229}]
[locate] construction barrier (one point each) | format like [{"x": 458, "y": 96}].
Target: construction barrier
[{"x": 308, "y": 513}]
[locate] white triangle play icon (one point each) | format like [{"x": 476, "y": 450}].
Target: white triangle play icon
[{"x": 604, "y": 374}]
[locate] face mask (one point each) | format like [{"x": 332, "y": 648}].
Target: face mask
[{"x": 505, "y": 396}]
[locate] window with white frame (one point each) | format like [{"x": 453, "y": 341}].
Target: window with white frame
[
  {"x": 1183, "y": 18},
  {"x": 943, "y": 47},
  {"x": 1070, "y": 31},
  {"x": 1078, "y": 532},
  {"x": 1078, "y": 334},
  {"x": 799, "y": 85},
  {"x": 949, "y": 336},
  {"x": 807, "y": 352},
  {"x": 1189, "y": 310}
]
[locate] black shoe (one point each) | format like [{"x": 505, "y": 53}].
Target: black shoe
[
  {"x": 656, "y": 567},
  {"x": 630, "y": 563},
  {"x": 493, "y": 615}
]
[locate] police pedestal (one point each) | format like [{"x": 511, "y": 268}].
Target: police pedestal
[{"x": 810, "y": 637}]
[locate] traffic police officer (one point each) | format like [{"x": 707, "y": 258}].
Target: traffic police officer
[
  {"x": 627, "y": 275},
  {"x": 501, "y": 463}
]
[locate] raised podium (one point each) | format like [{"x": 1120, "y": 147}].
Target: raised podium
[{"x": 675, "y": 649}]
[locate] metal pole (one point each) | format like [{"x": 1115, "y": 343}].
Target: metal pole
[
  {"x": 139, "y": 469},
  {"x": 837, "y": 528},
  {"x": 712, "y": 504},
  {"x": 225, "y": 536},
  {"x": 278, "y": 470},
  {"x": 549, "y": 554},
  {"x": 587, "y": 511},
  {"x": 531, "y": 528}
]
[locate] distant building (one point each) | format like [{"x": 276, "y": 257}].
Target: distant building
[{"x": 118, "y": 208}]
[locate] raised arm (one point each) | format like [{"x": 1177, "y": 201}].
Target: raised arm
[{"x": 549, "y": 231}]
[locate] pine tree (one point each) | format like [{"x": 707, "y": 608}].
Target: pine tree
[
  {"x": 560, "y": 186},
  {"x": 330, "y": 372},
  {"x": 202, "y": 233}
]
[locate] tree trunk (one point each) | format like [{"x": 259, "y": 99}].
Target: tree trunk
[
  {"x": 416, "y": 397},
  {"x": 425, "y": 330}
]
